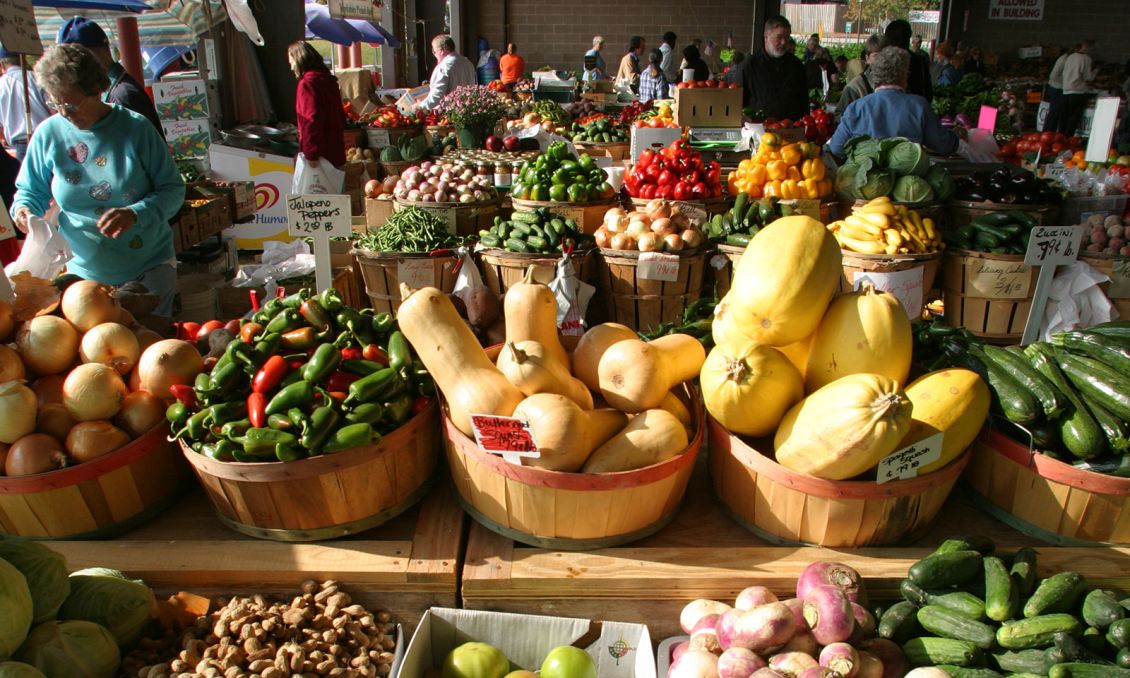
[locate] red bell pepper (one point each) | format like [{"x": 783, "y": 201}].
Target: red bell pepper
[
  {"x": 682, "y": 191},
  {"x": 270, "y": 374}
]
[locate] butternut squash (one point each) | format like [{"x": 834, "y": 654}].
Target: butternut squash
[
  {"x": 527, "y": 365},
  {"x": 866, "y": 331},
  {"x": 786, "y": 277},
  {"x": 672, "y": 404},
  {"x": 592, "y": 345},
  {"x": 565, "y": 434},
  {"x": 636, "y": 375},
  {"x": 649, "y": 438},
  {"x": 953, "y": 402},
  {"x": 749, "y": 390},
  {"x": 845, "y": 428},
  {"x": 460, "y": 367},
  {"x": 530, "y": 310}
]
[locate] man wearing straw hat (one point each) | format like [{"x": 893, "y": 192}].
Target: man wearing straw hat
[{"x": 15, "y": 123}]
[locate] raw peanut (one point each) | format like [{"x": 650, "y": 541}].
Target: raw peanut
[
  {"x": 260, "y": 665},
  {"x": 294, "y": 617},
  {"x": 309, "y": 586},
  {"x": 273, "y": 672},
  {"x": 386, "y": 657}
]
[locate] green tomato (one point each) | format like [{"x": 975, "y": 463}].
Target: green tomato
[
  {"x": 476, "y": 660},
  {"x": 567, "y": 661}
]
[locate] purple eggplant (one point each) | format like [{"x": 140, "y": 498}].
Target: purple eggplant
[
  {"x": 792, "y": 663},
  {"x": 828, "y": 613},
  {"x": 738, "y": 662},
  {"x": 753, "y": 596},
  {"x": 832, "y": 574},
  {"x": 841, "y": 658},
  {"x": 758, "y": 629},
  {"x": 894, "y": 661}
]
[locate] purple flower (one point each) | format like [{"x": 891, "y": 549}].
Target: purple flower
[{"x": 472, "y": 106}]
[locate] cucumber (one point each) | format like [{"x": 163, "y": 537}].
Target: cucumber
[
  {"x": 1085, "y": 670},
  {"x": 966, "y": 672},
  {"x": 968, "y": 543},
  {"x": 516, "y": 245},
  {"x": 1009, "y": 397},
  {"x": 1072, "y": 650},
  {"x": 1020, "y": 661},
  {"x": 943, "y": 570},
  {"x": 740, "y": 203},
  {"x": 961, "y": 602},
  {"x": 949, "y": 624},
  {"x": 1117, "y": 436},
  {"x": 1096, "y": 382},
  {"x": 505, "y": 229},
  {"x": 1058, "y": 593},
  {"x": 538, "y": 231},
  {"x": 1097, "y": 347},
  {"x": 1101, "y": 609},
  {"x": 936, "y": 651},
  {"x": 1079, "y": 431},
  {"x": 1094, "y": 640},
  {"x": 913, "y": 593},
  {"x": 520, "y": 230},
  {"x": 1002, "y": 599},
  {"x": 490, "y": 240},
  {"x": 1023, "y": 570},
  {"x": 571, "y": 224},
  {"x": 1122, "y": 659},
  {"x": 1052, "y": 401},
  {"x": 1036, "y": 631},
  {"x": 899, "y": 622},
  {"x": 1118, "y": 633},
  {"x": 537, "y": 243},
  {"x": 525, "y": 217}
]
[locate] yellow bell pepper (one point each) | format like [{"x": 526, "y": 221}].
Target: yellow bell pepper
[
  {"x": 777, "y": 170},
  {"x": 790, "y": 190},
  {"x": 791, "y": 154},
  {"x": 758, "y": 174},
  {"x": 810, "y": 189},
  {"x": 809, "y": 149},
  {"x": 770, "y": 139},
  {"x": 744, "y": 165},
  {"x": 772, "y": 189},
  {"x": 794, "y": 173},
  {"x": 732, "y": 182},
  {"x": 813, "y": 168}
]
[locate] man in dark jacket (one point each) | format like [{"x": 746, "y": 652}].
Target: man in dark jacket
[
  {"x": 898, "y": 34},
  {"x": 773, "y": 78},
  {"x": 124, "y": 90}
]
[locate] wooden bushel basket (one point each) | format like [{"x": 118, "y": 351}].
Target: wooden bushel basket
[
  {"x": 327, "y": 496},
  {"x": 502, "y": 268},
  {"x": 855, "y": 262},
  {"x": 1046, "y": 498},
  {"x": 1118, "y": 289},
  {"x": 99, "y": 499},
  {"x": 642, "y": 304},
  {"x": 614, "y": 151},
  {"x": 382, "y": 280},
  {"x": 568, "y": 511},
  {"x": 711, "y": 207},
  {"x": 720, "y": 278},
  {"x": 960, "y": 213},
  {"x": 988, "y": 294},
  {"x": 588, "y": 215},
  {"x": 469, "y": 218},
  {"x": 787, "y": 507},
  {"x": 933, "y": 211}
]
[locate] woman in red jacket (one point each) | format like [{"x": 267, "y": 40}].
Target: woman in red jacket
[{"x": 321, "y": 121}]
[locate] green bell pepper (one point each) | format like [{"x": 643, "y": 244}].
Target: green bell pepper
[{"x": 559, "y": 192}]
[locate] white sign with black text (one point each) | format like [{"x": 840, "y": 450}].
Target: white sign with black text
[
  {"x": 320, "y": 216},
  {"x": 1024, "y": 10}
]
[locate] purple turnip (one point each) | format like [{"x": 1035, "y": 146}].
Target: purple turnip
[
  {"x": 797, "y": 606},
  {"x": 1124, "y": 252},
  {"x": 767, "y": 673},
  {"x": 864, "y": 624},
  {"x": 841, "y": 658},
  {"x": 802, "y": 641},
  {"x": 1116, "y": 243},
  {"x": 695, "y": 664},
  {"x": 832, "y": 574},
  {"x": 758, "y": 629},
  {"x": 870, "y": 666},
  {"x": 792, "y": 663},
  {"x": 704, "y": 636},
  {"x": 889, "y": 653},
  {"x": 697, "y": 609},
  {"x": 753, "y": 596},
  {"x": 678, "y": 650},
  {"x": 819, "y": 672},
  {"x": 828, "y": 613},
  {"x": 738, "y": 662}
]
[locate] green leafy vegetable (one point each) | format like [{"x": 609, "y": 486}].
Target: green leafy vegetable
[
  {"x": 76, "y": 649},
  {"x": 45, "y": 571},
  {"x": 905, "y": 158},
  {"x": 874, "y": 184},
  {"x": 865, "y": 149},
  {"x": 912, "y": 190},
  {"x": 942, "y": 182},
  {"x": 845, "y": 180},
  {"x": 109, "y": 598},
  {"x": 16, "y": 620}
]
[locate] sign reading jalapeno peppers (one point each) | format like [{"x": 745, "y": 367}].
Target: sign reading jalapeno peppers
[{"x": 306, "y": 376}]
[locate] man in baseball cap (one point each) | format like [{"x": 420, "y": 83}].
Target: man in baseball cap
[{"x": 124, "y": 90}]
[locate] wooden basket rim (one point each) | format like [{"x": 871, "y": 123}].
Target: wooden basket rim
[
  {"x": 835, "y": 489},
  {"x": 501, "y": 255},
  {"x": 634, "y": 255},
  {"x": 602, "y": 144},
  {"x": 729, "y": 249},
  {"x": 1102, "y": 257},
  {"x": 311, "y": 467},
  {"x": 366, "y": 128},
  {"x": 374, "y": 254},
  {"x": 551, "y": 204},
  {"x": 448, "y": 205},
  {"x": 1055, "y": 470},
  {"x": 143, "y": 446},
  {"x": 989, "y": 205},
  {"x": 974, "y": 254},
  {"x": 893, "y": 258},
  {"x": 860, "y": 202}
]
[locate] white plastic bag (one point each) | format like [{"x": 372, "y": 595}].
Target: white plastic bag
[
  {"x": 45, "y": 252},
  {"x": 1076, "y": 300},
  {"x": 467, "y": 280},
  {"x": 979, "y": 147},
  {"x": 280, "y": 261},
  {"x": 573, "y": 298},
  {"x": 325, "y": 178}
]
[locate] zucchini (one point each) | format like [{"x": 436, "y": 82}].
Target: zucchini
[
  {"x": 942, "y": 570},
  {"x": 1118, "y": 633},
  {"x": 949, "y": 624},
  {"x": 1078, "y": 430},
  {"x": 1020, "y": 661},
  {"x": 1009, "y": 397},
  {"x": 740, "y": 202},
  {"x": 1052, "y": 401},
  {"x": 1117, "y": 437},
  {"x": 1036, "y": 631},
  {"x": 1023, "y": 570},
  {"x": 1097, "y": 347},
  {"x": 1002, "y": 599},
  {"x": 1101, "y": 609},
  {"x": 1116, "y": 329},
  {"x": 1086, "y": 670},
  {"x": 899, "y": 622},
  {"x": 1058, "y": 593},
  {"x": 1096, "y": 382},
  {"x": 967, "y": 672},
  {"x": 936, "y": 651}
]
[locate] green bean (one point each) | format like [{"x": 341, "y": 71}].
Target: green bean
[{"x": 410, "y": 230}]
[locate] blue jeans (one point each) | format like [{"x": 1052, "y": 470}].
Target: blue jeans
[
  {"x": 20, "y": 147},
  {"x": 161, "y": 280}
]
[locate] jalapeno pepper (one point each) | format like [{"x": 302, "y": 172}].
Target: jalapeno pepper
[
  {"x": 362, "y": 367},
  {"x": 298, "y": 394},
  {"x": 383, "y": 323},
  {"x": 250, "y": 331},
  {"x": 267, "y": 346},
  {"x": 270, "y": 375},
  {"x": 314, "y": 314},
  {"x": 376, "y": 354},
  {"x": 222, "y": 413},
  {"x": 324, "y": 361},
  {"x": 203, "y": 382},
  {"x": 366, "y": 413},
  {"x": 375, "y": 387},
  {"x": 196, "y": 426},
  {"x": 270, "y": 309},
  {"x": 397, "y": 410},
  {"x": 284, "y": 322},
  {"x": 358, "y": 325},
  {"x": 280, "y": 422},
  {"x": 422, "y": 381},
  {"x": 348, "y": 437},
  {"x": 399, "y": 352},
  {"x": 289, "y": 453},
  {"x": 301, "y": 339},
  {"x": 234, "y": 429},
  {"x": 263, "y": 443},
  {"x": 298, "y": 418},
  {"x": 295, "y": 300},
  {"x": 331, "y": 300},
  {"x": 294, "y": 377},
  {"x": 322, "y": 423},
  {"x": 177, "y": 413},
  {"x": 257, "y": 409},
  {"x": 221, "y": 450}
]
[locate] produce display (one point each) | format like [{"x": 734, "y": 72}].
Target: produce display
[
  {"x": 357, "y": 154},
  {"x": 1019, "y": 187},
  {"x": 1105, "y": 235},
  {"x": 387, "y": 117},
  {"x": 381, "y": 190},
  {"x": 538, "y": 231},
  {"x": 559, "y": 176},
  {"x": 678, "y": 172},
  {"x": 659, "y": 227},
  {"x": 818, "y": 125},
  {"x": 306, "y": 376},
  {"x": 717, "y": 84},
  {"x": 740, "y": 223},
  {"x": 895, "y": 167},
  {"x": 445, "y": 182},
  {"x": 882, "y": 227},
  {"x": 696, "y": 321},
  {"x": 649, "y": 116},
  {"x": 601, "y": 131},
  {"x": 408, "y": 148},
  {"x": 496, "y": 145},
  {"x": 411, "y": 231},
  {"x": 552, "y": 118},
  {"x": 1045, "y": 144},
  {"x": 1001, "y": 232},
  {"x": 481, "y": 660},
  {"x": 779, "y": 170}
]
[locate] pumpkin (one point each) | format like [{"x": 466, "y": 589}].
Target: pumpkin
[
  {"x": 565, "y": 434},
  {"x": 953, "y": 402},
  {"x": 749, "y": 390},
  {"x": 586, "y": 356},
  {"x": 866, "y": 331},
  {"x": 449, "y": 350},
  {"x": 649, "y": 438},
  {"x": 787, "y": 275},
  {"x": 636, "y": 375},
  {"x": 530, "y": 311},
  {"x": 527, "y": 365},
  {"x": 845, "y": 428}
]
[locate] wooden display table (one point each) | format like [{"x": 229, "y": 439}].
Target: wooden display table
[{"x": 403, "y": 566}]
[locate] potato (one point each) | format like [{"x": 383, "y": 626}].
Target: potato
[
  {"x": 1112, "y": 220},
  {"x": 482, "y": 307},
  {"x": 1095, "y": 221}
]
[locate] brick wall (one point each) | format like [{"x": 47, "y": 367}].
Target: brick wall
[
  {"x": 1064, "y": 22},
  {"x": 558, "y": 34}
]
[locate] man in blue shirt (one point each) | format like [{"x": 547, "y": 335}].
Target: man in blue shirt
[
  {"x": 598, "y": 72},
  {"x": 890, "y": 112}
]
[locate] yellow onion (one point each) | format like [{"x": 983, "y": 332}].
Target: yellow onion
[
  {"x": 17, "y": 411},
  {"x": 55, "y": 421},
  {"x": 146, "y": 338},
  {"x": 110, "y": 344},
  {"x": 48, "y": 389},
  {"x": 7, "y": 322},
  {"x": 168, "y": 362},
  {"x": 93, "y": 391},
  {"x": 141, "y": 411},
  {"x": 48, "y": 344},
  {"x": 87, "y": 303},
  {"x": 34, "y": 453},
  {"x": 89, "y": 440},
  {"x": 11, "y": 367}
]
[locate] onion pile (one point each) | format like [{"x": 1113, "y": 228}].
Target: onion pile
[
  {"x": 659, "y": 227},
  {"x": 445, "y": 183}
]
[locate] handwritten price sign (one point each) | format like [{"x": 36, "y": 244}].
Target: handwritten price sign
[
  {"x": 905, "y": 463},
  {"x": 319, "y": 214},
  {"x": 1053, "y": 245},
  {"x": 508, "y": 436},
  {"x": 658, "y": 266}
]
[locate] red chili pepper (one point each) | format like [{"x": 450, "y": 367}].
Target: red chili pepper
[
  {"x": 295, "y": 364},
  {"x": 340, "y": 380},
  {"x": 210, "y": 362},
  {"x": 250, "y": 331},
  {"x": 257, "y": 409},
  {"x": 351, "y": 353},
  {"x": 376, "y": 354},
  {"x": 270, "y": 374},
  {"x": 185, "y": 394},
  {"x": 420, "y": 403},
  {"x": 337, "y": 396}
]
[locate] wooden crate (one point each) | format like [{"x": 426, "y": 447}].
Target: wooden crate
[
  {"x": 643, "y": 304},
  {"x": 404, "y": 566},
  {"x": 988, "y": 294}
]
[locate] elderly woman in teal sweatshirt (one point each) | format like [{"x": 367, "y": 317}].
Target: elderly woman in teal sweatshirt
[{"x": 111, "y": 174}]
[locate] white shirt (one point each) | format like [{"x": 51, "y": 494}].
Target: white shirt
[
  {"x": 12, "y": 118},
  {"x": 454, "y": 70},
  {"x": 1055, "y": 78},
  {"x": 668, "y": 64},
  {"x": 1077, "y": 71}
]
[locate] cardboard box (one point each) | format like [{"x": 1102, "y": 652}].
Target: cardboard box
[
  {"x": 186, "y": 99},
  {"x": 185, "y": 232},
  {"x": 240, "y": 196},
  {"x": 620, "y": 650},
  {"x": 190, "y": 138},
  {"x": 377, "y": 212},
  {"x": 655, "y": 138},
  {"x": 708, "y": 107}
]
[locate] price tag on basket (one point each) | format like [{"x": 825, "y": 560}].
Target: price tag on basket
[
  {"x": 658, "y": 266},
  {"x": 417, "y": 272},
  {"x": 904, "y": 463},
  {"x": 378, "y": 137},
  {"x": 1048, "y": 247},
  {"x": 320, "y": 216},
  {"x": 509, "y": 437}
]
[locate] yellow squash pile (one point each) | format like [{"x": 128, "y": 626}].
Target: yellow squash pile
[
  {"x": 825, "y": 375},
  {"x": 883, "y": 227},
  {"x": 637, "y": 420}
]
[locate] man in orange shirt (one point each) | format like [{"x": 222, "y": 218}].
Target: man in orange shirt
[{"x": 511, "y": 65}]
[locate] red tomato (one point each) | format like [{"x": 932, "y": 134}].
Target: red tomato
[
  {"x": 188, "y": 331},
  {"x": 1047, "y": 137},
  {"x": 734, "y": 85},
  {"x": 1058, "y": 146},
  {"x": 233, "y": 327}
]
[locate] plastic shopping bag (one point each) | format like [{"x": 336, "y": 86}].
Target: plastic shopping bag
[
  {"x": 45, "y": 252},
  {"x": 573, "y": 298},
  {"x": 979, "y": 147},
  {"x": 325, "y": 178}
]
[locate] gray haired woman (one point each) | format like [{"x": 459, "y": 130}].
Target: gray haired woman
[{"x": 111, "y": 174}]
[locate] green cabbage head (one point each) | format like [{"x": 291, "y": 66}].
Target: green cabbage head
[
  {"x": 906, "y": 158},
  {"x": 912, "y": 190},
  {"x": 19, "y": 670},
  {"x": 942, "y": 182},
  {"x": 874, "y": 184},
  {"x": 15, "y": 613},
  {"x": 108, "y": 597},
  {"x": 45, "y": 571},
  {"x": 845, "y": 180},
  {"x": 75, "y": 649}
]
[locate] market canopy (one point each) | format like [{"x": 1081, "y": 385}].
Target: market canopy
[
  {"x": 319, "y": 24},
  {"x": 164, "y": 23}
]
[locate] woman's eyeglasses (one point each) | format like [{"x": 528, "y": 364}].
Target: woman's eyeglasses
[{"x": 64, "y": 108}]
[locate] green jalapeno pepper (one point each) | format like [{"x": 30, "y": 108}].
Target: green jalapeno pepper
[
  {"x": 324, "y": 361},
  {"x": 365, "y": 413},
  {"x": 399, "y": 352},
  {"x": 298, "y": 394},
  {"x": 348, "y": 437},
  {"x": 378, "y": 386},
  {"x": 322, "y": 423}
]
